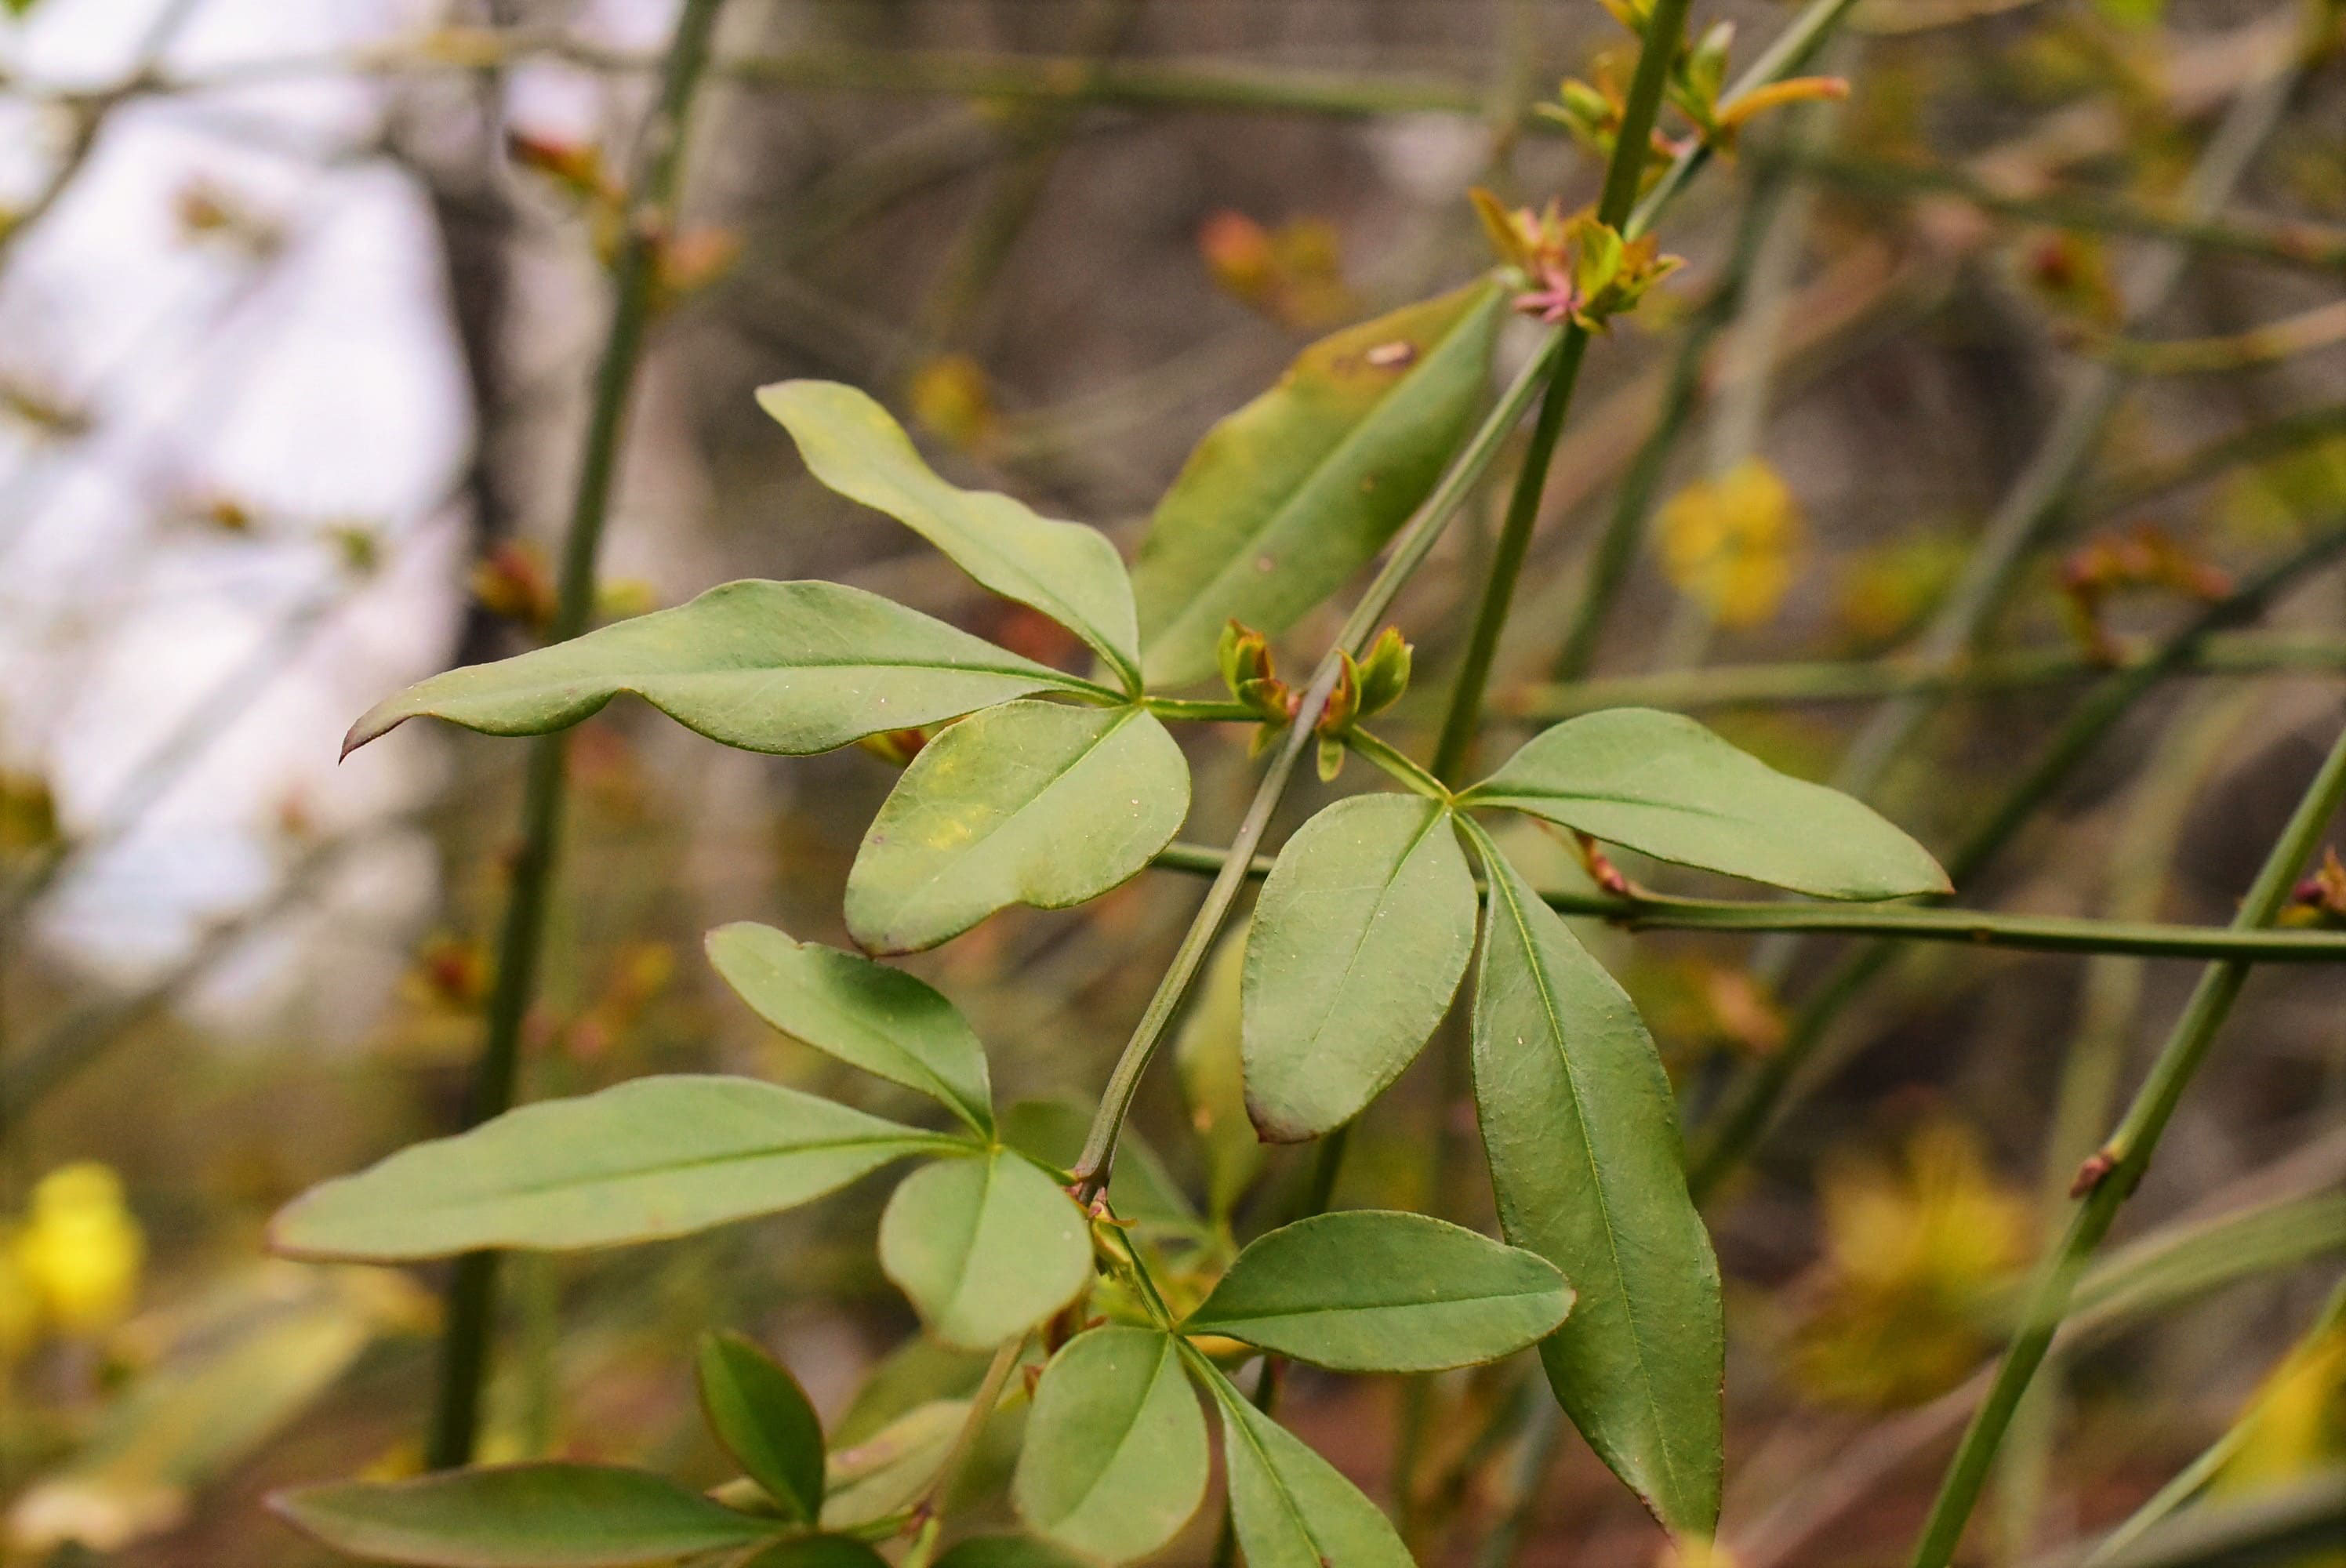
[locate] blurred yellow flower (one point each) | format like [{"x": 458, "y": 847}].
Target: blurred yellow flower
[
  {"x": 1731, "y": 543},
  {"x": 1913, "y": 1255},
  {"x": 80, "y": 1248},
  {"x": 1694, "y": 1551},
  {"x": 20, "y": 1304},
  {"x": 2295, "y": 1420},
  {"x": 950, "y": 397}
]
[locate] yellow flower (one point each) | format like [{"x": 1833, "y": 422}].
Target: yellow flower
[
  {"x": 1731, "y": 543},
  {"x": 949, "y": 396},
  {"x": 1913, "y": 1256},
  {"x": 80, "y": 1248},
  {"x": 2296, "y": 1421},
  {"x": 20, "y": 1306}
]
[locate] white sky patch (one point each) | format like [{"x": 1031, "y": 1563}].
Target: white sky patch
[{"x": 316, "y": 388}]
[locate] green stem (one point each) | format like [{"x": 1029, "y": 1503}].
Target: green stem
[
  {"x": 1623, "y": 173},
  {"x": 472, "y": 1291},
  {"x": 1768, "y": 685},
  {"x": 2037, "y": 503},
  {"x": 2187, "y": 1482},
  {"x": 982, "y": 1406},
  {"x": 1974, "y": 928},
  {"x": 1416, "y": 539},
  {"x": 2294, "y": 244},
  {"x": 1752, "y": 1107},
  {"x": 1396, "y": 764},
  {"x": 1092, "y": 1168},
  {"x": 2122, "y": 1161},
  {"x": 2266, "y": 439},
  {"x": 1543, "y": 1429}
]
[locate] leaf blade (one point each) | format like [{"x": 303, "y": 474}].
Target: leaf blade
[
  {"x": 1291, "y": 1507},
  {"x": 786, "y": 667},
  {"x": 1371, "y": 1290},
  {"x": 985, "y": 1246},
  {"x": 1580, "y": 1131},
  {"x": 764, "y": 1420},
  {"x": 644, "y": 1160},
  {"x": 883, "y": 1020},
  {"x": 1033, "y": 803},
  {"x": 1114, "y": 1458},
  {"x": 1360, "y": 936},
  {"x": 520, "y": 1516},
  {"x": 1283, "y": 500},
  {"x": 1665, "y": 785},
  {"x": 1067, "y": 570}
]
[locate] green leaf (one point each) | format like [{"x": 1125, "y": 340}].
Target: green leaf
[
  {"x": 1582, "y": 1136},
  {"x": 985, "y": 1246},
  {"x": 1663, "y": 785},
  {"x": 1029, "y": 803},
  {"x": 792, "y": 668},
  {"x": 916, "y": 1373},
  {"x": 757, "y": 1410},
  {"x": 1052, "y": 1132},
  {"x": 1116, "y": 1458},
  {"x": 1205, "y": 1055},
  {"x": 887, "y": 1471},
  {"x": 1067, "y": 570},
  {"x": 1291, "y": 1508},
  {"x": 520, "y": 1516},
  {"x": 1360, "y": 938},
  {"x": 651, "y": 1158},
  {"x": 868, "y": 1015},
  {"x": 1006, "y": 1551},
  {"x": 815, "y": 1551},
  {"x": 1288, "y": 497},
  {"x": 1376, "y": 1291}
]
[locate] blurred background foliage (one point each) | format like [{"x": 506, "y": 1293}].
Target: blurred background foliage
[{"x": 298, "y": 311}]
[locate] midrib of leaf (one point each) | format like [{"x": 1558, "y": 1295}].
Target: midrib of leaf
[
  {"x": 971, "y": 846},
  {"x": 1499, "y": 880},
  {"x": 1035, "y": 672},
  {"x": 912, "y": 1141},
  {"x": 969, "y": 1241},
  {"x": 1435, "y": 818},
  {"x": 918, "y": 1065},
  {"x": 1215, "y": 1324},
  {"x": 1240, "y": 560},
  {"x": 1229, "y": 1397},
  {"x": 1501, "y": 796},
  {"x": 1037, "y": 592},
  {"x": 1099, "y": 1476}
]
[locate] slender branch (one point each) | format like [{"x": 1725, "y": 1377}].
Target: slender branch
[
  {"x": 1397, "y": 765},
  {"x": 2038, "y": 500},
  {"x": 1752, "y": 1106},
  {"x": 1617, "y": 548},
  {"x": 2123, "y": 1288},
  {"x": 1851, "y": 680},
  {"x": 2112, "y": 1176},
  {"x": 1623, "y": 173},
  {"x": 2188, "y": 1482},
  {"x": 2307, "y": 332},
  {"x": 1417, "y": 537},
  {"x": 2295, "y": 244},
  {"x": 1976, "y": 928},
  {"x": 89, "y": 1032},
  {"x": 2308, "y": 1515},
  {"x": 472, "y": 1291},
  {"x": 2266, "y": 439}
]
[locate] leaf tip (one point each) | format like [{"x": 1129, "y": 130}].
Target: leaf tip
[
  {"x": 1271, "y": 1127},
  {"x": 371, "y": 726}
]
